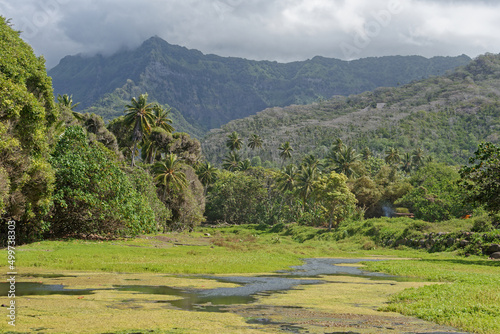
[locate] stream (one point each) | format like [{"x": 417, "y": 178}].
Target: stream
[{"x": 246, "y": 299}]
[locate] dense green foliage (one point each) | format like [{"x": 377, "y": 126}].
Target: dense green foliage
[
  {"x": 446, "y": 117},
  {"x": 436, "y": 195},
  {"x": 237, "y": 190},
  {"x": 482, "y": 179},
  {"x": 93, "y": 195},
  {"x": 62, "y": 173},
  {"x": 86, "y": 189},
  {"x": 210, "y": 90},
  {"x": 26, "y": 113}
]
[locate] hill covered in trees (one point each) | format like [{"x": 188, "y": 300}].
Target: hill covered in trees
[
  {"x": 445, "y": 116},
  {"x": 208, "y": 90}
]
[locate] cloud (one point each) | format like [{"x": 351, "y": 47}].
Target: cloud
[{"x": 282, "y": 30}]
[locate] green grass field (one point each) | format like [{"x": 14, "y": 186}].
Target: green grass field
[{"x": 469, "y": 299}]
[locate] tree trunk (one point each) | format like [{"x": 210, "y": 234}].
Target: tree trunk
[{"x": 133, "y": 154}]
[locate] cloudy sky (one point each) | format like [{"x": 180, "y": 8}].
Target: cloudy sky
[{"x": 282, "y": 30}]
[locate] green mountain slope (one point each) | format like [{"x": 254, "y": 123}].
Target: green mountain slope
[
  {"x": 447, "y": 116},
  {"x": 209, "y": 90}
]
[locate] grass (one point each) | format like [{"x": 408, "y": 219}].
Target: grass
[
  {"x": 245, "y": 249},
  {"x": 470, "y": 300}
]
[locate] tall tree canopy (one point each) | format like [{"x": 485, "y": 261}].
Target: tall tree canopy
[
  {"x": 481, "y": 179},
  {"x": 139, "y": 113},
  {"x": 27, "y": 112}
]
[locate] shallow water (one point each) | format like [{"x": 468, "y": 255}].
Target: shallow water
[
  {"x": 244, "y": 298},
  {"x": 249, "y": 288}
]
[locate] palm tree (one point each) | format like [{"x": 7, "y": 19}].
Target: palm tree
[
  {"x": 161, "y": 119},
  {"x": 305, "y": 180},
  {"x": 168, "y": 174},
  {"x": 234, "y": 142},
  {"x": 418, "y": 157},
  {"x": 286, "y": 151},
  {"x": 311, "y": 160},
  {"x": 231, "y": 162},
  {"x": 392, "y": 156},
  {"x": 67, "y": 101},
  {"x": 139, "y": 114},
  {"x": 407, "y": 163},
  {"x": 244, "y": 165},
  {"x": 287, "y": 178},
  {"x": 344, "y": 160},
  {"x": 255, "y": 141},
  {"x": 338, "y": 145},
  {"x": 366, "y": 153},
  {"x": 206, "y": 174}
]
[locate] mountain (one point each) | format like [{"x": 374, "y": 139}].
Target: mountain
[
  {"x": 209, "y": 90},
  {"x": 447, "y": 116}
]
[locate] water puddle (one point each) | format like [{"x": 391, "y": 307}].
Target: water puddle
[
  {"x": 40, "y": 289},
  {"x": 245, "y": 299},
  {"x": 248, "y": 290}
]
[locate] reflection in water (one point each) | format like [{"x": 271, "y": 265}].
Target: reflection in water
[
  {"x": 212, "y": 299},
  {"x": 39, "y": 289}
]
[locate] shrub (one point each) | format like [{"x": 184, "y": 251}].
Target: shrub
[
  {"x": 93, "y": 195},
  {"x": 482, "y": 224}
]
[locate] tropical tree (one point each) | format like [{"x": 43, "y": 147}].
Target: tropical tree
[
  {"x": 234, "y": 142},
  {"x": 285, "y": 151},
  {"x": 344, "y": 159},
  {"x": 207, "y": 174},
  {"x": 305, "y": 181},
  {"x": 407, "y": 164},
  {"x": 255, "y": 142},
  {"x": 311, "y": 160},
  {"x": 368, "y": 193},
  {"x": 160, "y": 118},
  {"x": 158, "y": 140},
  {"x": 337, "y": 145},
  {"x": 286, "y": 179},
  {"x": 481, "y": 180},
  {"x": 435, "y": 194},
  {"x": 231, "y": 162},
  {"x": 237, "y": 198},
  {"x": 168, "y": 174},
  {"x": 366, "y": 153},
  {"x": 418, "y": 158},
  {"x": 139, "y": 114},
  {"x": 244, "y": 165},
  {"x": 334, "y": 197},
  {"x": 92, "y": 193},
  {"x": 392, "y": 156},
  {"x": 67, "y": 102}
]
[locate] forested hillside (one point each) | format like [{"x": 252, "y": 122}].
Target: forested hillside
[
  {"x": 209, "y": 90},
  {"x": 445, "y": 116}
]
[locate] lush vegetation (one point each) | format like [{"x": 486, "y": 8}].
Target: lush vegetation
[
  {"x": 64, "y": 174},
  {"x": 467, "y": 297},
  {"x": 209, "y": 90},
  {"x": 446, "y": 117},
  {"x": 68, "y": 175}
]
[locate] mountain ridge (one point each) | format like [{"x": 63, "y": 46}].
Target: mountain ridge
[
  {"x": 210, "y": 90},
  {"x": 447, "y": 116}
]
